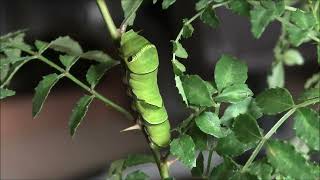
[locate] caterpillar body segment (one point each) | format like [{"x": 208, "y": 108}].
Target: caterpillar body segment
[{"x": 141, "y": 60}]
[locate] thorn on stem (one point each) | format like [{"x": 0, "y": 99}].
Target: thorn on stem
[{"x": 134, "y": 127}]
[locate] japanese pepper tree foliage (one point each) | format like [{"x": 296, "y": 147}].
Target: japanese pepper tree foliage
[{"x": 208, "y": 130}]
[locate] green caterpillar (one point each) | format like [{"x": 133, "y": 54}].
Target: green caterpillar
[{"x": 141, "y": 60}]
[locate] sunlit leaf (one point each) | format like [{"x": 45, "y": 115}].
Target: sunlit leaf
[{"x": 183, "y": 148}]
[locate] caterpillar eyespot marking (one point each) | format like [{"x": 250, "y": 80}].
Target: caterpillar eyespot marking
[{"x": 141, "y": 60}]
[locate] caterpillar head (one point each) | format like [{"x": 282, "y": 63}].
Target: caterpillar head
[{"x": 140, "y": 56}]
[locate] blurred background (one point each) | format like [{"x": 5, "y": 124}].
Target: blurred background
[{"x": 42, "y": 148}]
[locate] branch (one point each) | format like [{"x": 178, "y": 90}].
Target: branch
[
  {"x": 274, "y": 129},
  {"x": 81, "y": 84},
  {"x": 194, "y": 18},
  {"x": 108, "y": 19}
]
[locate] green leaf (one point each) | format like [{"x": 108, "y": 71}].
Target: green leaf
[
  {"x": 167, "y": 3},
  {"x": 210, "y": 88},
  {"x": 68, "y": 60},
  {"x": 234, "y": 93},
  {"x": 12, "y": 53},
  {"x": 42, "y": 91},
  {"x": 310, "y": 94},
  {"x": 66, "y": 45},
  {"x": 4, "y": 70},
  {"x": 137, "y": 175},
  {"x": 303, "y": 20},
  {"x": 187, "y": 29},
  {"x": 241, "y": 7},
  {"x": 201, "y": 4},
  {"x": 209, "y": 123},
  {"x": 96, "y": 72},
  {"x": 229, "y": 71},
  {"x": 115, "y": 170},
  {"x": 183, "y": 148},
  {"x": 246, "y": 129},
  {"x": 242, "y": 176},
  {"x": 180, "y": 89},
  {"x": 303, "y": 23},
  {"x": 318, "y": 52},
  {"x": 292, "y": 57},
  {"x": 248, "y": 106},
  {"x": 41, "y": 46},
  {"x": 178, "y": 67},
  {"x": 99, "y": 56},
  {"x": 276, "y": 78},
  {"x": 307, "y": 127},
  {"x": 224, "y": 170},
  {"x": 196, "y": 91},
  {"x": 12, "y": 60},
  {"x": 6, "y": 93},
  {"x": 209, "y": 17},
  {"x": 198, "y": 170},
  {"x": 14, "y": 40},
  {"x": 261, "y": 15},
  {"x": 297, "y": 36},
  {"x": 300, "y": 146},
  {"x": 129, "y": 7},
  {"x": 287, "y": 161},
  {"x": 261, "y": 169},
  {"x": 179, "y": 50},
  {"x": 200, "y": 139},
  {"x": 231, "y": 146},
  {"x": 273, "y": 101},
  {"x": 78, "y": 113},
  {"x": 137, "y": 159}
]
